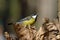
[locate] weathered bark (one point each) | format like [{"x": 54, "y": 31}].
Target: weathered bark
[
  {"x": 24, "y": 33},
  {"x": 52, "y": 32}
]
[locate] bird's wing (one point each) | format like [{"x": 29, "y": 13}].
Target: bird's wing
[{"x": 27, "y": 18}]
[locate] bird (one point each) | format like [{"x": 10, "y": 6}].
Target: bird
[{"x": 27, "y": 21}]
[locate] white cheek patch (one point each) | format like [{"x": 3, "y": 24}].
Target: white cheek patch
[{"x": 34, "y": 16}]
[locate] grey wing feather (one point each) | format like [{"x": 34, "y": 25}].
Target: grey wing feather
[
  {"x": 27, "y": 18},
  {"x": 20, "y": 21}
]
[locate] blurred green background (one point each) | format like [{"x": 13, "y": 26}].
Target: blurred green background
[{"x": 12, "y": 11}]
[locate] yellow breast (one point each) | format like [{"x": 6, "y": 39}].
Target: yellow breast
[{"x": 27, "y": 22}]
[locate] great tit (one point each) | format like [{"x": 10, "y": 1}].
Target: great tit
[{"x": 27, "y": 21}]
